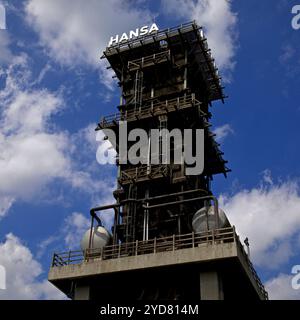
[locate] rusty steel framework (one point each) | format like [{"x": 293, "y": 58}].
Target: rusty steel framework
[{"x": 167, "y": 80}]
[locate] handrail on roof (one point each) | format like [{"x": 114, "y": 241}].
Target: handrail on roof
[{"x": 185, "y": 27}]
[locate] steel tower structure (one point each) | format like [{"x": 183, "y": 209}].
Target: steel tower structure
[{"x": 168, "y": 80}]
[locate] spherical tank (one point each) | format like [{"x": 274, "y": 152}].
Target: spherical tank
[
  {"x": 100, "y": 238},
  {"x": 204, "y": 219}
]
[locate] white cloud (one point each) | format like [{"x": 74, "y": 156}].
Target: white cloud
[
  {"x": 74, "y": 227},
  {"x": 26, "y": 114},
  {"x": 219, "y": 21},
  {"x": 289, "y": 60},
  {"x": 23, "y": 272},
  {"x": 31, "y": 153},
  {"x": 72, "y": 230},
  {"x": 267, "y": 177},
  {"x": 76, "y": 224},
  {"x": 29, "y": 162},
  {"x": 5, "y": 53},
  {"x": 288, "y": 52},
  {"x": 5, "y": 204},
  {"x": 269, "y": 216},
  {"x": 86, "y": 138},
  {"x": 47, "y": 68},
  {"x": 280, "y": 288},
  {"x": 43, "y": 245},
  {"x": 222, "y": 132},
  {"x": 84, "y": 153},
  {"x": 77, "y": 32}
]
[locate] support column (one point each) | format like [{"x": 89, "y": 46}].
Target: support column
[
  {"x": 211, "y": 287},
  {"x": 82, "y": 293}
]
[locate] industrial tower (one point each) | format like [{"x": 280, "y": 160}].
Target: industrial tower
[{"x": 169, "y": 240}]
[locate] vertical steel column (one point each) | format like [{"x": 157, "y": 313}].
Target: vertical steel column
[
  {"x": 91, "y": 232},
  {"x": 146, "y": 219},
  {"x": 185, "y": 69},
  {"x": 116, "y": 218}
]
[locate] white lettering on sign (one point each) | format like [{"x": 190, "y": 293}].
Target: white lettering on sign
[
  {"x": 133, "y": 34},
  {"x": 296, "y": 18}
]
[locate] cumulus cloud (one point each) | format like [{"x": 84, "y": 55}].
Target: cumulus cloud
[
  {"x": 76, "y": 224},
  {"x": 280, "y": 288},
  {"x": 219, "y": 22},
  {"x": 33, "y": 151},
  {"x": 31, "y": 154},
  {"x": 77, "y": 32},
  {"x": 72, "y": 230},
  {"x": 5, "y": 52},
  {"x": 222, "y": 132},
  {"x": 23, "y": 272},
  {"x": 5, "y": 204},
  {"x": 74, "y": 227},
  {"x": 269, "y": 216},
  {"x": 87, "y": 145},
  {"x": 44, "y": 244},
  {"x": 84, "y": 154}
]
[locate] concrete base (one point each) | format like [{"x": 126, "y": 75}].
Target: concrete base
[
  {"x": 211, "y": 286},
  {"x": 82, "y": 293},
  {"x": 209, "y": 272}
]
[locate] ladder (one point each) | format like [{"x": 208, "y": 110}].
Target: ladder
[
  {"x": 131, "y": 214},
  {"x": 163, "y": 124},
  {"x": 138, "y": 90}
]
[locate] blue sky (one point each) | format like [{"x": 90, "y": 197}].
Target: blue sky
[{"x": 54, "y": 88}]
